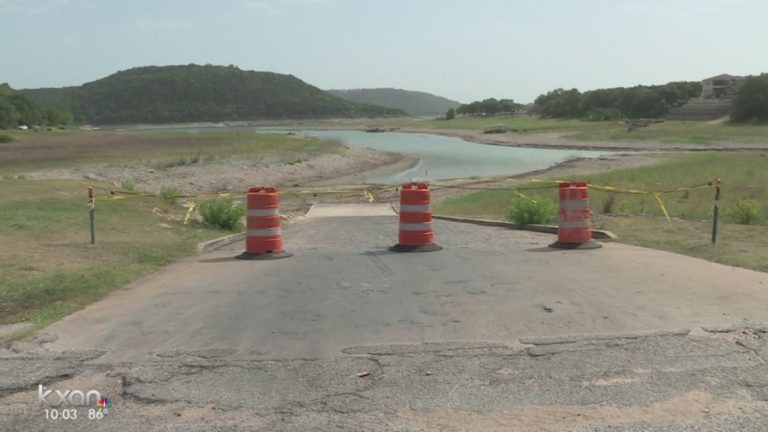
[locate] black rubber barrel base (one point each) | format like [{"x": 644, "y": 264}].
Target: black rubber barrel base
[
  {"x": 587, "y": 245},
  {"x": 264, "y": 256},
  {"x": 421, "y": 248}
]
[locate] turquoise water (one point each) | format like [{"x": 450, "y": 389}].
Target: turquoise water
[{"x": 446, "y": 157}]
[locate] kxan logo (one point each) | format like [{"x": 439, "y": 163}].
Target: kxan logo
[{"x": 71, "y": 398}]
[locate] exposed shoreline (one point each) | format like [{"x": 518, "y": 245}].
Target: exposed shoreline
[
  {"x": 555, "y": 140},
  {"x": 357, "y": 165},
  {"x": 238, "y": 174}
]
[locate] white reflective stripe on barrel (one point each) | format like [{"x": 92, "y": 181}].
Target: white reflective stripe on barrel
[
  {"x": 414, "y": 207},
  {"x": 574, "y": 224},
  {"x": 574, "y": 204},
  {"x": 416, "y": 226},
  {"x": 264, "y": 232},
  {"x": 263, "y": 212}
]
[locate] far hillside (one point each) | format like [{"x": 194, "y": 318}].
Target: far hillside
[
  {"x": 412, "y": 102},
  {"x": 17, "y": 110},
  {"x": 193, "y": 93}
]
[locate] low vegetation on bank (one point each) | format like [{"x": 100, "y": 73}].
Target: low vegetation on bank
[
  {"x": 55, "y": 149},
  {"x": 638, "y": 219}
]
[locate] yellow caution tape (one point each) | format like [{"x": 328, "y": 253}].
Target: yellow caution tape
[
  {"x": 368, "y": 189},
  {"x": 522, "y": 195},
  {"x": 191, "y": 205}
]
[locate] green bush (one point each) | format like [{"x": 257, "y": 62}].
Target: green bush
[
  {"x": 5, "y": 138},
  {"x": 128, "y": 185},
  {"x": 222, "y": 213},
  {"x": 746, "y": 212},
  {"x": 170, "y": 194},
  {"x": 534, "y": 210},
  {"x": 604, "y": 114}
]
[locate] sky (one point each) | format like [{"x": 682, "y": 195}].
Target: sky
[{"x": 461, "y": 49}]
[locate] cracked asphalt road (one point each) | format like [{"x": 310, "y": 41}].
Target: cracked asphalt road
[{"x": 496, "y": 332}]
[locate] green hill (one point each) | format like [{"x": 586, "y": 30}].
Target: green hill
[
  {"x": 192, "y": 93},
  {"x": 413, "y": 102}
]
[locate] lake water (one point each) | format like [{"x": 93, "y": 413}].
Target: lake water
[{"x": 443, "y": 157}]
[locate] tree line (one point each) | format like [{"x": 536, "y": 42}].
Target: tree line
[
  {"x": 489, "y": 107},
  {"x": 616, "y": 103},
  {"x": 16, "y": 109}
]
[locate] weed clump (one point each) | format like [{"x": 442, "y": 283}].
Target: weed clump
[
  {"x": 170, "y": 194},
  {"x": 534, "y": 210},
  {"x": 128, "y": 185},
  {"x": 746, "y": 212},
  {"x": 222, "y": 212}
]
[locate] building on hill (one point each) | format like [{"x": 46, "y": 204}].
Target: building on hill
[
  {"x": 721, "y": 86},
  {"x": 714, "y": 102}
]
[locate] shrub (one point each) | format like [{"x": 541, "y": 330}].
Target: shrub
[
  {"x": 604, "y": 114},
  {"x": 746, "y": 212},
  {"x": 170, "y": 194},
  {"x": 6, "y": 138},
  {"x": 128, "y": 185},
  {"x": 222, "y": 213},
  {"x": 536, "y": 210}
]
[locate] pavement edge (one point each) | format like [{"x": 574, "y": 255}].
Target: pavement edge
[{"x": 547, "y": 229}]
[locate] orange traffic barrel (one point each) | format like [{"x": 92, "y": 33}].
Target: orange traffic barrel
[
  {"x": 415, "y": 220},
  {"x": 263, "y": 240},
  {"x": 574, "y": 230}
]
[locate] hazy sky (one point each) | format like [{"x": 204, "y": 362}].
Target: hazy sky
[{"x": 463, "y": 50}]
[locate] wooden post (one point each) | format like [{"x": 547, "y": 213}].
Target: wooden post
[
  {"x": 716, "y": 213},
  {"x": 91, "y": 212}
]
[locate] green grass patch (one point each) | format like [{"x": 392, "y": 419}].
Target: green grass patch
[
  {"x": 737, "y": 245},
  {"x": 676, "y": 132},
  {"x": 744, "y": 175},
  {"x": 49, "y": 268}
]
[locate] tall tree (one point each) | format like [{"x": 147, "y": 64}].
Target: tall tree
[{"x": 752, "y": 101}]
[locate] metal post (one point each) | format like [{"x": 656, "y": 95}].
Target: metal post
[
  {"x": 716, "y": 183},
  {"x": 91, "y": 212}
]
